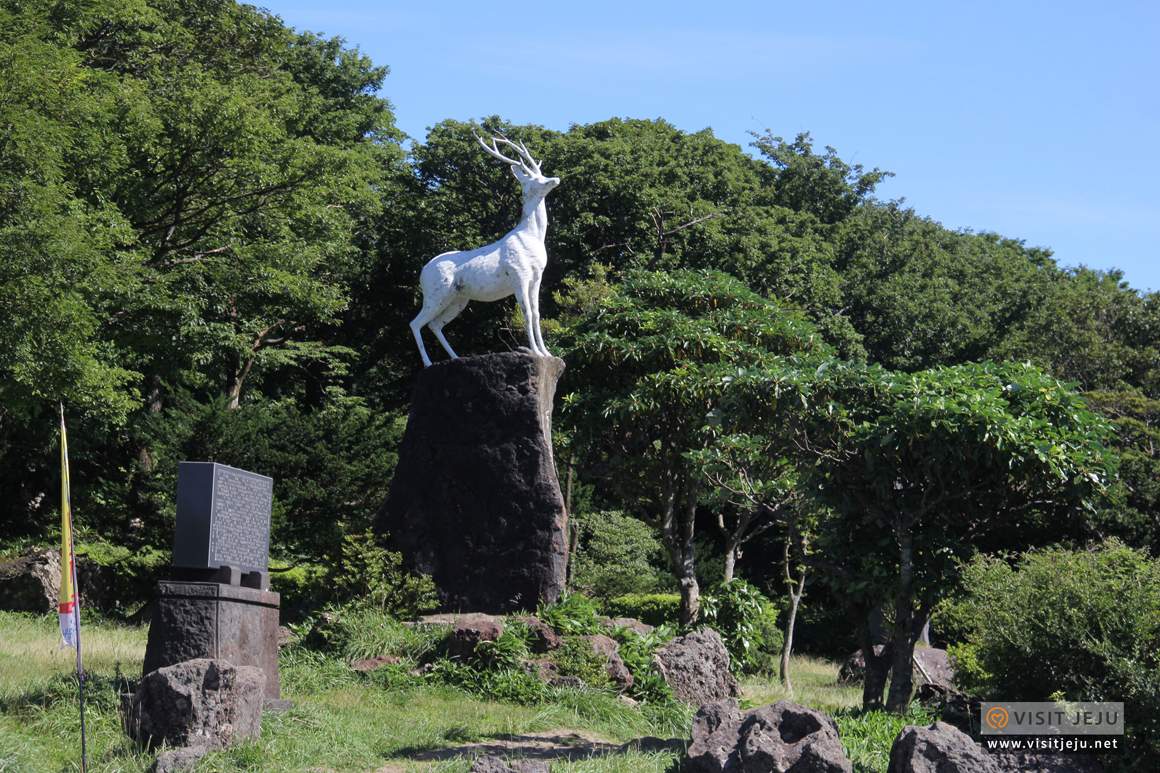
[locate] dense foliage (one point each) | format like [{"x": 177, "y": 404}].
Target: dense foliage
[
  {"x": 210, "y": 240},
  {"x": 1066, "y": 625}
]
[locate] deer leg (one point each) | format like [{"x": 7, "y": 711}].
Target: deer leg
[
  {"x": 535, "y": 321},
  {"x": 431, "y": 310},
  {"x": 448, "y": 314},
  {"x": 524, "y": 298}
]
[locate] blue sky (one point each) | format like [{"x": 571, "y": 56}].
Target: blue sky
[{"x": 1037, "y": 120}]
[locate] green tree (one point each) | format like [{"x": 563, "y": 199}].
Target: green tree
[
  {"x": 1092, "y": 636},
  {"x": 644, "y": 372},
  {"x": 932, "y": 463},
  {"x": 921, "y": 295},
  {"x": 188, "y": 186},
  {"x": 1132, "y": 513},
  {"x": 1092, "y": 328}
]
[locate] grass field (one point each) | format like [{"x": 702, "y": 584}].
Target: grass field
[{"x": 344, "y": 720}]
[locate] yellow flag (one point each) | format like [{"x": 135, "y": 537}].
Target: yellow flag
[{"x": 68, "y": 598}]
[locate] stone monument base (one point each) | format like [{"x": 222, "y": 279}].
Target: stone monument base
[
  {"x": 194, "y": 620},
  {"x": 475, "y": 502}
]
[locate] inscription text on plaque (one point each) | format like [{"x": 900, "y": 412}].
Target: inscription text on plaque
[{"x": 223, "y": 517}]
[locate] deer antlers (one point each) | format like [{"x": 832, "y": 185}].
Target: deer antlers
[{"x": 528, "y": 164}]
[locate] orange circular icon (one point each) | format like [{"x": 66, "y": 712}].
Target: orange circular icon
[{"x": 997, "y": 717}]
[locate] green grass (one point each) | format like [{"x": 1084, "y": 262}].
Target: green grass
[{"x": 344, "y": 720}]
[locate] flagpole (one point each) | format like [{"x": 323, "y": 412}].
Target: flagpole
[{"x": 66, "y": 496}]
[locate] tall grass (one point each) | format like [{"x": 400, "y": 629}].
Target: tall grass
[
  {"x": 345, "y": 720},
  {"x": 39, "y": 701}
]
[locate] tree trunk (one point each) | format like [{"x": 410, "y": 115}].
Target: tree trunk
[
  {"x": 877, "y": 666},
  {"x": 690, "y": 600},
  {"x": 904, "y": 635},
  {"x": 730, "y": 562},
  {"x": 154, "y": 401},
  {"x": 682, "y": 552},
  {"x": 795, "y": 597},
  {"x": 877, "y": 671}
]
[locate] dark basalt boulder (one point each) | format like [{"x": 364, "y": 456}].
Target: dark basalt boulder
[
  {"x": 202, "y": 702},
  {"x": 783, "y": 737},
  {"x": 468, "y": 634},
  {"x": 475, "y": 502},
  {"x": 31, "y": 581},
  {"x": 696, "y": 666},
  {"x": 606, "y": 647},
  {"x": 939, "y": 748}
]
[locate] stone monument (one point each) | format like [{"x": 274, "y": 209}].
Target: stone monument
[
  {"x": 217, "y": 603},
  {"x": 475, "y": 502}
]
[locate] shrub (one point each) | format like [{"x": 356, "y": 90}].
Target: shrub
[
  {"x": 1070, "y": 625},
  {"x": 655, "y": 609},
  {"x": 636, "y": 650},
  {"x": 373, "y": 577},
  {"x": 574, "y": 614},
  {"x": 575, "y": 657},
  {"x": 618, "y": 555},
  {"x": 736, "y": 610},
  {"x": 767, "y": 658}
]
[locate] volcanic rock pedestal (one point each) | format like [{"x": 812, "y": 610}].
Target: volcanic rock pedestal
[{"x": 476, "y": 502}]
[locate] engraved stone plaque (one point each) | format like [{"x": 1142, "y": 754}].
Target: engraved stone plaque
[{"x": 223, "y": 517}]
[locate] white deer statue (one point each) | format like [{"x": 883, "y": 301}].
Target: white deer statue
[{"x": 513, "y": 265}]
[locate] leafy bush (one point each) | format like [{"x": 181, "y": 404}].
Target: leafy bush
[
  {"x": 636, "y": 650},
  {"x": 736, "y": 610},
  {"x": 511, "y": 685},
  {"x": 767, "y": 657},
  {"x": 654, "y": 609},
  {"x": 373, "y": 577},
  {"x": 868, "y": 736},
  {"x": 618, "y": 555},
  {"x": 575, "y": 657},
  {"x": 574, "y": 614},
  {"x": 1067, "y": 625},
  {"x": 508, "y": 652},
  {"x": 134, "y": 574},
  {"x": 298, "y": 582}
]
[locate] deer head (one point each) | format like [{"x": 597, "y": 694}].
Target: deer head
[{"x": 526, "y": 170}]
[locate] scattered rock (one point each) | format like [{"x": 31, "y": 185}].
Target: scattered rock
[
  {"x": 933, "y": 660},
  {"x": 490, "y": 764},
  {"x": 179, "y": 760},
  {"x": 939, "y": 748},
  {"x": 853, "y": 671},
  {"x": 96, "y": 584},
  {"x": 31, "y": 581},
  {"x": 566, "y": 681},
  {"x": 631, "y": 624},
  {"x": 956, "y": 708},
  {"x": 199, "y": 702},
  {"x": 543, "y": 638},
  {"x": 373, "y": 664},
  {"x": 285, "y": 636},
  {"x": 276, "y": 705},
  {"x": 784, "y": 736},
  {"x": 467, "y": 635},
  {"x": 696, "y": 666},
  {"x": 617, "y": 672},
  {"x": 545, "y": 670}
]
